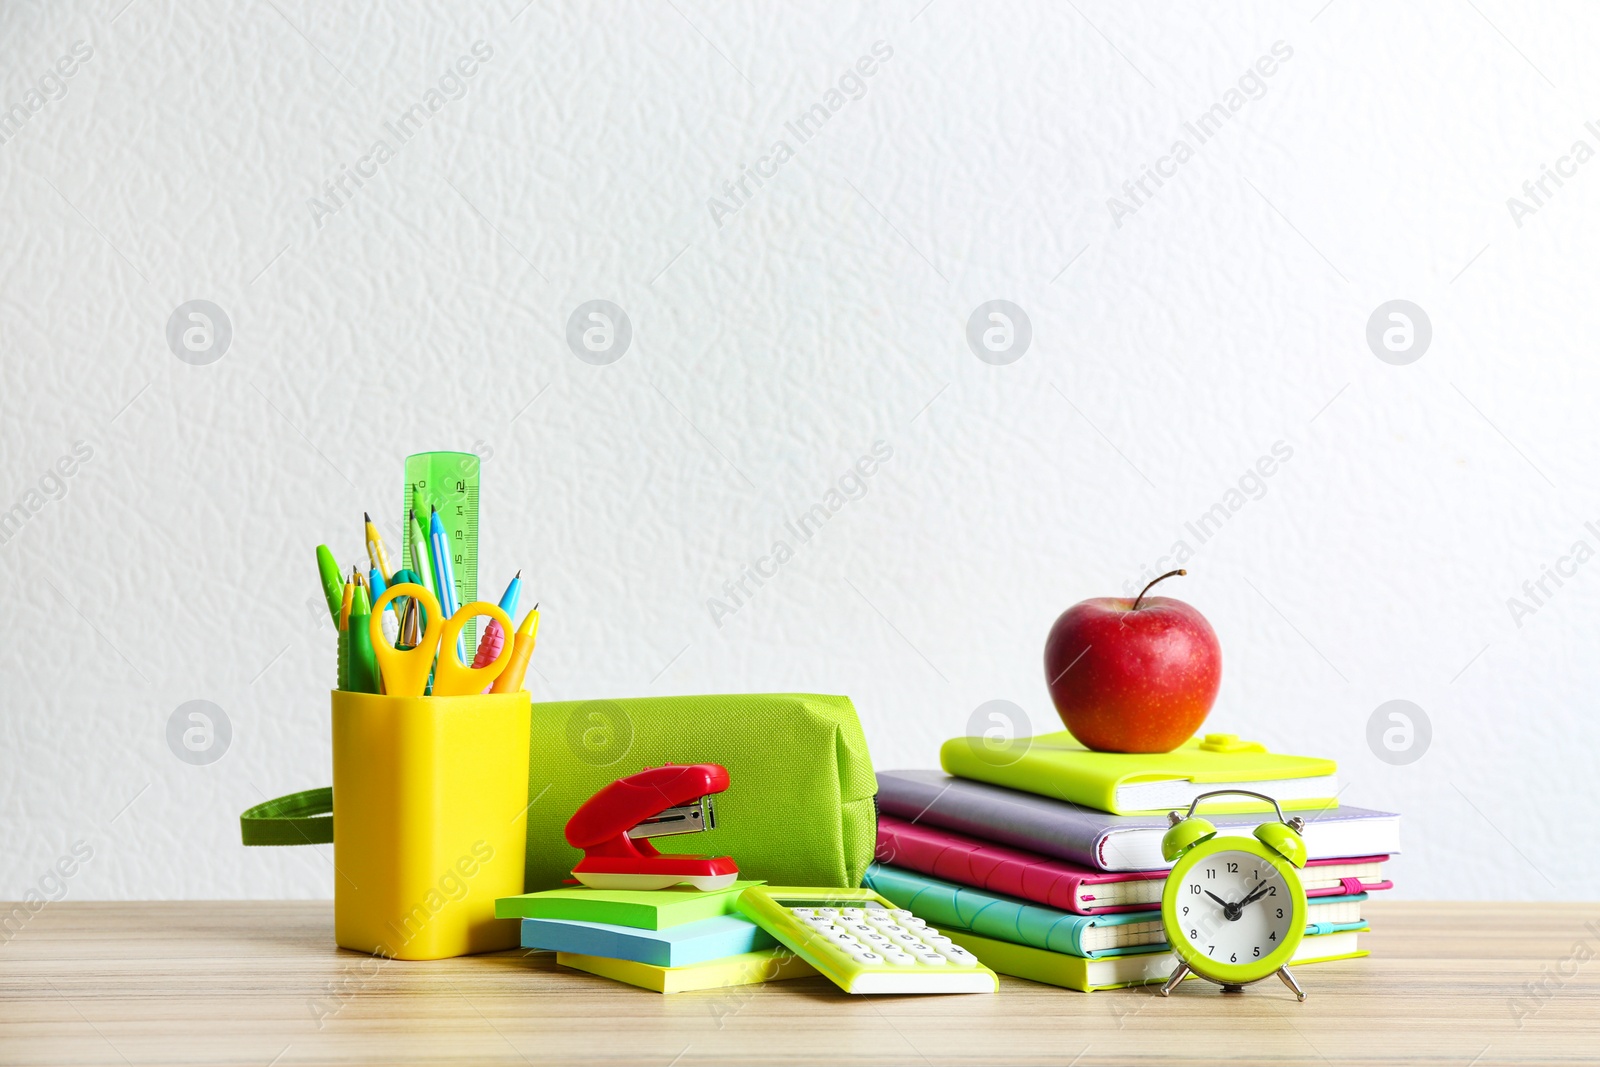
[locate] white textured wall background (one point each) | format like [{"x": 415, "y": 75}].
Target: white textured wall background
[{"x": 1168, "y": 353}]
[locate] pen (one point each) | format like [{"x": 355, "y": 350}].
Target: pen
[
  {"x": 375, "y": 549},
  {"x": 391, "y": 613},
  {"x": 332, "y": 580},
  {"x": 444, "y": 577},
  {"x": 510, "y": 679},
  {"x": 508, "y": 599}
]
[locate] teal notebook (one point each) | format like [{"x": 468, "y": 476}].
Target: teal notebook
[{"x": 1017, "y": 921}]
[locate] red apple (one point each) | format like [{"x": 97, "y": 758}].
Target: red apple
[{"x": 1133, "y": 675}]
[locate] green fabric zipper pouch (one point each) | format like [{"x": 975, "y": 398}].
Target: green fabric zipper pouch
[{"x": 800, "y": 808}]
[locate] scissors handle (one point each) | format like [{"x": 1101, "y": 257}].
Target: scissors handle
[
  {"x": 453, "y": 678},
  {"x": 405, "y": 671}
]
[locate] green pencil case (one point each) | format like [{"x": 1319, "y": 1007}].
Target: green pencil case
[{"x": 800, "y": 808}]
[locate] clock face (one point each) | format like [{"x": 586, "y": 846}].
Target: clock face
[{"x": 1234, "y": 907}]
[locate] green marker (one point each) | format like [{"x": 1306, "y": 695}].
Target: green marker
[
  {"x": 361, "y": 664},
  {"x": 332, "y": 581}
]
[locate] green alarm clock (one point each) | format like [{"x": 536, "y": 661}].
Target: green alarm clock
[{"x": 1233, "y": 909}]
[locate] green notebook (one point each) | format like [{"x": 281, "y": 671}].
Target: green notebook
[
  {"x": 1115, "y": 972},
  {"x": 1122, "y": 783},
  {"x": 642, "y": 909}
]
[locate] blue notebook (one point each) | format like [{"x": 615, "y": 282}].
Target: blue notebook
[{"x": 676, "y": 946}]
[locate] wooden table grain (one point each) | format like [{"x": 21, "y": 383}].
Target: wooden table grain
[{"x": 261, "y": 983}]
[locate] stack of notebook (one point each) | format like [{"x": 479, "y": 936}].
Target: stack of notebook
[
  {"x": 669, "y": 940},
  {"x": 1044, "y": 859}
]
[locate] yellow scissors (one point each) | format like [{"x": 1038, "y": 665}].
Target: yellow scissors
[{"x": 405, "y": 672}]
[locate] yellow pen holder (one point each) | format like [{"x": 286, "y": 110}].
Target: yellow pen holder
[{"x": 430, "y": 798}]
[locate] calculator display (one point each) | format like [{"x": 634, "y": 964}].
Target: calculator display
[{"x": 798, "y": 902}]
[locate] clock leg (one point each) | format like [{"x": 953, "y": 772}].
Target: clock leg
[
  {"x": 1288, "y": 980},
  {"x": 1177, "y": 976}
]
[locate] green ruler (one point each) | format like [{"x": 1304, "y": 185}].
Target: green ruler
[{"x": 448, "y": 481}]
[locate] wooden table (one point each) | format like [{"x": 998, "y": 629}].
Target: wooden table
[{"x": 261, "y": 983}]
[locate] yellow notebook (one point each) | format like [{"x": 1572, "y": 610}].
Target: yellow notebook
[
  {"x": 1123, "y": 783},
  {"x": 747, "y": 968}
]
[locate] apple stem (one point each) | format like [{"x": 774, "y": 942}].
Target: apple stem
[{"x": 1146, "y": 589}]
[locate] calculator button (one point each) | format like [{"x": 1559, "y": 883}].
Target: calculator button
[
  {"x": 804, "y": 913},
  {"x": 959, "y": 956},
  {"x": 839, "y": 937},
  {"x": 870, "y": 958},
  {"x": 851, "y": 913},
  {"x": 891, "y": 927},
  {"x": 911, "y": 921},
  {"x": 900, "y": 913},
  {"x": 931, "y": 959},
  {"x": 829, "y": 912},
  {"x": 900, "y": 959},
  {"x": 876, "y": 940},
  {"x": 938, "y": 941}
]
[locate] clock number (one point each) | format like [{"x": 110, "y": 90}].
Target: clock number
[
  {"x": 1194, "y": 890},
  {"x": 1234, "y": 958},
  {"x": 1210, "y": 949},
  {"x": 1193, "y": 934},
  {"x": 1186, "y": 911},
  {"x": 1233, "y": 868},
  {"x": 1211, "y": 872},
  {"x": 1258, "y": 950},
  {"x": 1280, "y": 912},
  {"x": 1272, "y": 890},
  {"x": 1272, "y": 936}
]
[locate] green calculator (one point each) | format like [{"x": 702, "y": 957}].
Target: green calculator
[{"x": 863, "y": 943}]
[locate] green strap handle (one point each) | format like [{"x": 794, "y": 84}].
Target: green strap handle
[{"x": 298, "y": 819}]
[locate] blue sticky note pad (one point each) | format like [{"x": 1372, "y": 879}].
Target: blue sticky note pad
[{"x": 676, "y": 946}]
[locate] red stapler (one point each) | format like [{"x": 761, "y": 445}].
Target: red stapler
[{"x": 612, "y": 825}]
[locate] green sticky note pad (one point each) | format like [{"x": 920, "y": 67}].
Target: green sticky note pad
[{"x": 652, "y": 909}]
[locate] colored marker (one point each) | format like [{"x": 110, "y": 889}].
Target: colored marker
[
  {"x": 332, "y": 581},
  {"x": 444, "y": 577},
  {"x": 511, "y": 679},
  {"x": 361, "y": 661}
]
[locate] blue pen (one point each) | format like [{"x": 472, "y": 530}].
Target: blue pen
[
  {"x": 508, "y": 599},
  {"x": 379, "y": 585},
  {"x": 444, "y": 577}
]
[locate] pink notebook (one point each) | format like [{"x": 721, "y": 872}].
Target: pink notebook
[{"x": 1067, "y": 886}]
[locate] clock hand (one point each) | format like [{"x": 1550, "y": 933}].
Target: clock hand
[
  {"x": 1255, "y": 894},
  {"x": 1216, "y": 898}
]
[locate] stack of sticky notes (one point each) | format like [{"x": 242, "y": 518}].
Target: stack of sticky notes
[
  {"x": 669, "y": 940},
  {"x": 1043, "y": 858}
]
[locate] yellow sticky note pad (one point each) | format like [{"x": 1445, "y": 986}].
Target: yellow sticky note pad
[{"x": 747, "y": 968}]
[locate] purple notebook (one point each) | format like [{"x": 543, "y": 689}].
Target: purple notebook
[{"x": 1094, "y": 838}]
